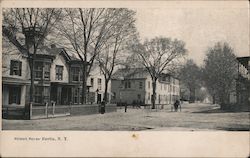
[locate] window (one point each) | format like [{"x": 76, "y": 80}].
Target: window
[
  {"x": 38, "y": 70},
  {"x": 76, "y": 95},
  {"x": 140, "y": 85},
  {"x": 41, "y": 94},
  {"x": 80, "y": 95},
  {"x": 139, "y": 97},
  {"x": 99, "y": 84},
  {"x": 114, "y": 96},
  {"x": 38, "y": 94},
  {"x": 148, "y": 84},
  {"x": 14, "y": 95},
  {"x": 15, "y": 68},
  {"x": 46, "y": 93},
  {"x": 129, "y": 84},
  {"x": 42, "y": 70},
  {"x": 59, "y": 72},
  {"x": 165, "y": 86},
  {"x": 75, "y": 73},
  {"x": 164, "y": 78},
  {"x": 92, "y": 82},
  {"x": 47, "y": 71}
]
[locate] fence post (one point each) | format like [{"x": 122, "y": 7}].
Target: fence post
[
  {"x": 31, "y": 110},
  {"x": 53, "y": 108},
  {"x": 46, "y": 109},
  {"x": 7, "y": 113}
]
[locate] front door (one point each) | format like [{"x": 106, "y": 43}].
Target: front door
[
  {"x": 53, "y": 93},
  {"x": 14, "y": 94},
  {"x": 66, "y": 95},
  {"x": 99, "y": 98}
]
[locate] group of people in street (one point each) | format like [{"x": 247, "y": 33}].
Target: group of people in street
[{"x": 176, "y": 106}]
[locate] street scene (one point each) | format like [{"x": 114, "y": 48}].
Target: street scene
[
  {"x": 193, "y": 117},
  {"x": 125, "y": 69}
]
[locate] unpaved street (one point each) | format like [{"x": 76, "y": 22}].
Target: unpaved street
[{"x": 193, "y": 117}]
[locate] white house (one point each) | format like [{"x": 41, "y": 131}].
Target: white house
[{"x": 135, "y": 85}]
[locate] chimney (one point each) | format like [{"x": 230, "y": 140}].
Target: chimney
[{"x": 53, "y": 46}]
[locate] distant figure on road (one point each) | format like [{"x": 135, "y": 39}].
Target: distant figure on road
[{"x": 176, "y": 105}]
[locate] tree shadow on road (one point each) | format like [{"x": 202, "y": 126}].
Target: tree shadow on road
[{"x": 218, "y": 111}]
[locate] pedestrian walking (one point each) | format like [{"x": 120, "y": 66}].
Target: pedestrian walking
[
  {"x": 176, "y": 105},
  {"x": 125, "y": 107}
]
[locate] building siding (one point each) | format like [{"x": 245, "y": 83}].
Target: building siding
[
  {"x": 59, "y": 60},
  {"x": 129, "y": 95}
]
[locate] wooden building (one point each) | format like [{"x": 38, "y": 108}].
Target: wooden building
[{"x": 243, "y": 82}]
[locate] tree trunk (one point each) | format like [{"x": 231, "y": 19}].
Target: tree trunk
[
  {"x": 31, "y": 80},
  {"x": 214, "y": 99},
  {"x": 106, "y": 91},
  {"x": 31, "y": 93},
  {"x": 84, "y": 84},
  {"x": 154, "y": 93},
  {"x": 192, "y": 95}
]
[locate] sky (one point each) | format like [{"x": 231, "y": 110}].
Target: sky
[{"x": 200, "y": 26}]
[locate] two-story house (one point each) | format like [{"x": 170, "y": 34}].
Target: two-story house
[
  {"x": 243, "y": 82},
  {"x": 15, "y": 76},
  {"x": 57, "y": 78},
  {"x": 135, "y": 85},
  {"x": 96, "y": 84}
]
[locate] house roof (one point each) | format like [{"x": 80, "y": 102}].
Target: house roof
[
  {"x": 130, "y": 73},
  {"x": 52, "y": 52},
  {"x": 138, "y": 73},
  {"x": 244, "y": 60}
]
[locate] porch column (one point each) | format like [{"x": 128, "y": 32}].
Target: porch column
[
  {"x": 72, "y": 95},
  {"x": 23, "y": 93}
]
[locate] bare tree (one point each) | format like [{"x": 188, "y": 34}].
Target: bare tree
[
  {"x": 86, "y": 31},
  {"x": 191, "y": 78},
  {"x": 220, "y": 71},
  {"x": 26, "y": 29},
  {"x": 157, "y": 56},
  {"x": 123, "y": 30}
]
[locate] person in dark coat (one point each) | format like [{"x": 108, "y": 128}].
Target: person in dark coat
[{"x": 176, "y": 105}]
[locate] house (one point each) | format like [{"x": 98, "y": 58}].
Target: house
[
  {"x": 135, "y": 85},
  {"x": 15, "y": 78},
  {"x": 57, "y": 78},
  {"x": 243, "y": 82},
  {"x": 96, "y": 84},
  {"x": 52, "y": 79}
]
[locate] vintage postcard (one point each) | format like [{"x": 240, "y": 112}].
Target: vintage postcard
[{"x": 125, "y": 78}]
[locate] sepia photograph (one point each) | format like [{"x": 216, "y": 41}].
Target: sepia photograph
[{"x": 182, "y": 67}]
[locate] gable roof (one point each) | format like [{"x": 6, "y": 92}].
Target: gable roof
[
  {"x": 130, "y": 73},
  {"x": 52, "y": 52},
  {"x": 139, "y": 73}
]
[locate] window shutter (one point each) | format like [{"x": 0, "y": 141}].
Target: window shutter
[
  {"x": 11, "y": 67},
  {"x": 20, "y": 68}
]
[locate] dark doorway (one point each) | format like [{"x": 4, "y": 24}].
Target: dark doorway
[
  {"x": 14, "y": 94},
  {"x": 66, "y": 95},
  {"x": 99, "y": 98},
  {"x": 53, "y": 93}
]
